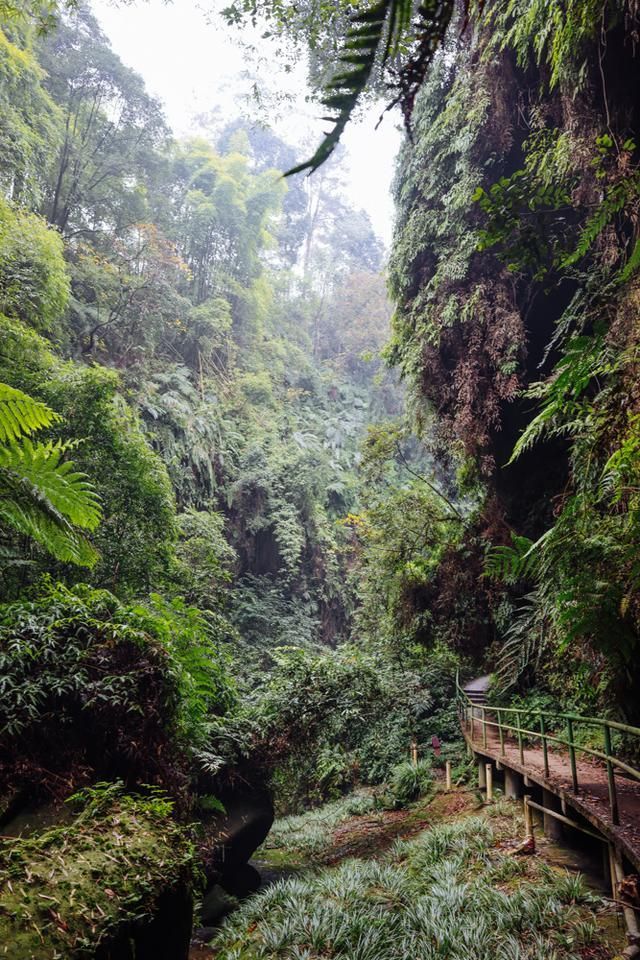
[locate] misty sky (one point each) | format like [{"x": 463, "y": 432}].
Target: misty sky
[{"x": 196, "y": 66}]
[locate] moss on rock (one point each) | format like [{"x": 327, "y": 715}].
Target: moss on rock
[{"x": 71, "y": 890}]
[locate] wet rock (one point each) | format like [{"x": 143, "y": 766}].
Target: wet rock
[{"x": 216, "y": 904}]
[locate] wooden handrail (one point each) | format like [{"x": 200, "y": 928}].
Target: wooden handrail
[{"x": 472, "y": 712}]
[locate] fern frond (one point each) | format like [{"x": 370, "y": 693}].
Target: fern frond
[
  {"x": 363, "y": 41},
  {"x": 53, "y": 533},
  {"x": 376, "y": 35},
  {"x": 21, "y": 415},
  {"x": 585, "y": 358},
  {"x": 511, "y": 564},
  {"x": 523, "y": 645},
  {"x": 53, "y": 480}
]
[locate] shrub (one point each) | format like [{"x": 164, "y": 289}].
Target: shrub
[
  {"x": 328, "y": 720},
  {"x": 93, "y": 687}
]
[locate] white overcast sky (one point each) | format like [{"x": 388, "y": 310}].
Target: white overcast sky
[{"x": 194, "y": 64}]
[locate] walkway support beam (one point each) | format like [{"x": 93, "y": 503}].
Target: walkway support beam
[
  {"x": 551, "y": 824},
  {"x": 488, "y": 776},
  {"x": 512, "y": 784},
  {"x": 482, "y": 773}
]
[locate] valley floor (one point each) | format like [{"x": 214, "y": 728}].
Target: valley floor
[{"x": 439, "y": 880}]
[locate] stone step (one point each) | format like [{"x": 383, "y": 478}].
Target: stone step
[{"x": 476, "y": 696}]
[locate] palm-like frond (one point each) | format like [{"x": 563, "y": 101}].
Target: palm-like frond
[
  {"x": 523, "y": 644},
  {"x": 42, "y": 496},
  {"x": 376, "y": 34},
  {"x": 364, "y": 39},
  {"x": 53, "y": 480},
  {"x": 50, "y": 530},
  {"x": 511, "y": 564},
  {"x": 21, "y": 415}
]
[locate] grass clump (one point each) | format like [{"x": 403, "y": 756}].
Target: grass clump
[
  {"x": 310, "y": 832},
  {"x": 440, "y": 895},
  {"x": 410, "y": 781},
  {"x": 71, "y": 888}
]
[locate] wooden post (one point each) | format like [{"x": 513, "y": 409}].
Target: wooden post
[
  {"x": 545, "y": 746},
  {"x": 512, "y": 787},
  {"x": 489, "y": 778},
  {"x": 617, "y": 876},
  {"x": 613, "y": 795},
  {"x": 484, "y": 727},
  {"x": 551, "y": 825},
  {"x": 572, "y": 756},
  {"x": 482, "y": 774},
  {"x": 520, "y": 744},
  {"x": 528, "y": 819},
  {"x": 414, "y": 753},
  {"x": 447, "y": 774},
  {"x": 501, "y": 732}
]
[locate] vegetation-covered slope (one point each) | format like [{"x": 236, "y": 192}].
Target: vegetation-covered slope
[{"x": 513, "y": 270}]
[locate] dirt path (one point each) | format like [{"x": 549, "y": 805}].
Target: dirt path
[{"x": 369, "y": 835}]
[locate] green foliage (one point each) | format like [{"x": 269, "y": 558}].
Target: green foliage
[
  {"x": 359, "y": 709},
  {"x": 310, "y": 832},
  {"x": 559, "y": 34},
  {"x": 111, "y": 126},
  {"x": 34, "y": 283},
  {"x": 372, "y": 32},
  {"x": 42, "y": 496},
  {"x": 510, "y": 564},
  {"x": 30, "y": 127},
  {"x": 555, "y": 201},
  {"x": 112, "y": 831},
  {"x": 201, "y": 665},
  {"x": 204, "y": 559},
  {"x": 386, "y": 40},
  {"x": 21, "y": 415},
  {"x": 88, "y": 681},
  {"x": 446, "y": 889},
  {"x": 409, "y": 781},
  {"x": 138, "y": 530}
]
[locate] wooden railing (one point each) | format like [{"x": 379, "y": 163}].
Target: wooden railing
[{"x": 507, "y": 721}]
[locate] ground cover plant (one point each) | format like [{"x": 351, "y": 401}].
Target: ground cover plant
[
  {"x": 454, "y": 891},
  {"x": 308, "y": 833}
]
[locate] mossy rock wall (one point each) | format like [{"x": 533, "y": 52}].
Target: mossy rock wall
[{"x": 115, "y": 884}]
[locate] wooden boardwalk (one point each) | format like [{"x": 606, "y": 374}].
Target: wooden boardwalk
[{"x": 590, "y": 802}]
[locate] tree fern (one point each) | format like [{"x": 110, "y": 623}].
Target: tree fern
[
  {"x": 51, "y": 531},
  {"x": 41, "y": 495},
  {"x": 52, "y": 480}
]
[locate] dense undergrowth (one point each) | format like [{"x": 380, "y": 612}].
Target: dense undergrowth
[{"x": 452, "y": 891}]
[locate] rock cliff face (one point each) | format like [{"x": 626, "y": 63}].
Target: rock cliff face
[{"x": 514, "y": 271}]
